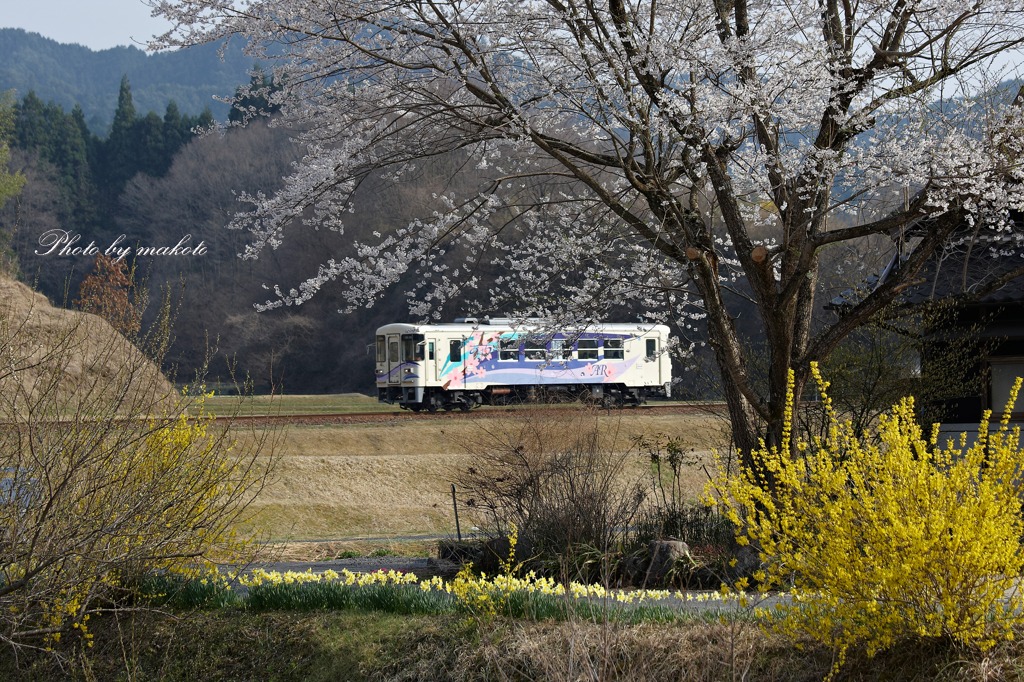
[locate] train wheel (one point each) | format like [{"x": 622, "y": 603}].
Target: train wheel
[
  {"x": 431, "y": 408},
  {"x": 465, "y": 407},
  {"x": 415, "y": 408}
]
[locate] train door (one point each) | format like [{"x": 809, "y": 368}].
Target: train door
[
  {"x": 432, "y": 374},
  {"x": 651, "y": 351},
  {"x": 394, "y": 358}
]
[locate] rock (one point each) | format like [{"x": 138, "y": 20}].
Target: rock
[{"x": 665, "y": 557}]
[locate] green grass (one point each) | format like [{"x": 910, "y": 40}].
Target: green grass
[
  {"x": 401, "y": 599},
  {"x": 188, "y": 593},
  {"x": 183, "y": 594},
  {"x": 343, "y": 403},
  {"x": 288, "y": 405}
]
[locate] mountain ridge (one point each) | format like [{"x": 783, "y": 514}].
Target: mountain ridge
[{"x": 70, "y": 74}]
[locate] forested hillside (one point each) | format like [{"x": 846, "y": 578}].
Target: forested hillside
[
  {"x": 70, "y": 75},
  {"x": 152, "y": 182}
]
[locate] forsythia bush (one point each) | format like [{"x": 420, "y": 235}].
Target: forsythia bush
[
  {"x": 889, "y": 534},
  {"x": 100, "y": 504},
  {"x": 107, "y": 475}
]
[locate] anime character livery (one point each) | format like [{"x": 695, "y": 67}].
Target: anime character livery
[{"x": 491, "y": 362}]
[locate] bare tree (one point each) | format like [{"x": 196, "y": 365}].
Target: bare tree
[
  {"x": 692, "y": 152},
  {"x": 110, "y": 292}
]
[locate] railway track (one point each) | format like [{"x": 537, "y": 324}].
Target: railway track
[{"x": 481, "y": 413}]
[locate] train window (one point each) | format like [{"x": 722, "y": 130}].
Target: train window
[
  {"x": 560, "y": 350},
  {"x": 382, "y": 349},
  {"x": 455, "y": 351},
  {"x": 613, "y": 349},
  {"x": 652, "y": 348},
  {"x": 586, "y": 349},
  {"x": 535, "y": 349},
  {"x": 430, "y": 350},
  {"x": 413, "y": 347},
  {"x": 508, "y": 349},
  {"x": 393, "y": 351}
]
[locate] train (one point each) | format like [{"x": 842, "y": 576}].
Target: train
[{"x": 495, "y": 361}]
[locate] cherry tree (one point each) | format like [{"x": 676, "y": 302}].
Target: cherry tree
[{"x": 668, "y": 151}]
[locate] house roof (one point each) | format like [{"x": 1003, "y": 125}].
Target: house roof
[{"x": 983, "y": 266}]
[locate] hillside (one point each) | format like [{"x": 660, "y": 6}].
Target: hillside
[
  {"x": 73, "y": 74},
  {"x": 65, "y": 361}
]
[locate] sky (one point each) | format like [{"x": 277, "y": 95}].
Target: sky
[{"x": 98, "y": 24}]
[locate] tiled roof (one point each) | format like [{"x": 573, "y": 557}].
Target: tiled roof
[{"x": 965, "y": 269}]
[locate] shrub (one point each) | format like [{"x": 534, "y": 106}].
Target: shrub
[
  {"x": 562, "y": 483},
  {"x": 672, "y": 515},
  {"x": 887, "y": 535},
  {"x": 108, "y": 473}
]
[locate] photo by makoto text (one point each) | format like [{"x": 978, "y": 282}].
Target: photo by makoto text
[{"x": 63, "y": 243}]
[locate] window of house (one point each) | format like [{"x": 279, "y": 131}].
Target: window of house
[
  {"x": 586, "y": 349},
  {"x": 613, "y": 349},
  {"x": 508, "y": 349},
  {"x": 1004, "y": 373}
]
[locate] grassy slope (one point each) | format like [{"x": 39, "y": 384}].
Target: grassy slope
[{"x": 394, "y": 478}]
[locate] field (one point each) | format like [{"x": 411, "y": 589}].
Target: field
[
  {"x": 390, "y": 479},
  {"x": 340, "y": 403}
]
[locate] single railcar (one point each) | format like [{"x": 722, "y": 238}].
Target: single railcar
[{"x": 491, "y": 362}]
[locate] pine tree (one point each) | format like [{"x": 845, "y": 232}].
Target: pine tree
[
  {"x": 151, "y": 154},
  {"x": 176, "y": 132},
  {"x": 120, "y": 162},
  {"x": 30, "y": 128}
]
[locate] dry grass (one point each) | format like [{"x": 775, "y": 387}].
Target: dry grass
[
  {"x": 583, "y": 650},
  {"x": 353, "y": 645},
  {"x": 93, "y": 359},
  {"x": 394, "y": 478}
]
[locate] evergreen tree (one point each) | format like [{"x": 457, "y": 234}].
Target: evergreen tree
[
  {"x": 204, "y": 120},
  {"x": 176, "y": 132},
  {"x": 64, "y": 141},
  {"x": 30, "y": 123},
  {"x": 119, "y": 158},
  {"x": 10, "y": 183},
  {"x": 254, "y": 99},
  {"x": 69, "y": 152},
  {"x": 150, "y": 153},
  {"x": 124, "y": 115},
  {"x": 78, "y": 115}
]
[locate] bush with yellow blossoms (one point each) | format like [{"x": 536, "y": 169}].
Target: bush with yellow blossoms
[
  {"x": 107, "y": 475},
  {"x": 887, "y": 535}
]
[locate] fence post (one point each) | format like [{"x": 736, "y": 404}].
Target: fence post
[{"x": 455, "y": 506}]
